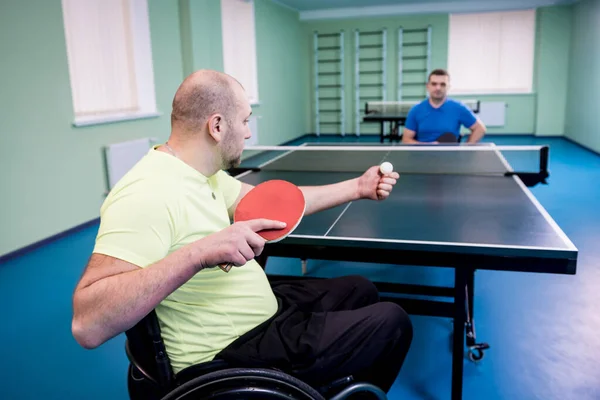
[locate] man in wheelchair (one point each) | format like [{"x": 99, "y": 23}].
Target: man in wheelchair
[{"x": 167, "y": 224}]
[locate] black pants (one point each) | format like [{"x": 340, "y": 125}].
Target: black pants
[{"x": 327, "y": 329}]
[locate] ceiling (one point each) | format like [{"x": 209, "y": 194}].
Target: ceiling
[{"x": 320, "y": 9}]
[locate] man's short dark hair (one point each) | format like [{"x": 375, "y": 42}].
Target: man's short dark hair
[{"x": 438, "y": 72}]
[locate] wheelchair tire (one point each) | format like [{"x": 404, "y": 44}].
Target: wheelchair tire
[{"x": 245, "y": 383}]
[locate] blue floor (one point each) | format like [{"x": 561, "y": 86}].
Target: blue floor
[{"x": 544, "y": 330}]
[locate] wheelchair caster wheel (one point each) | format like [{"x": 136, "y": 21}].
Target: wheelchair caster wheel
[
  {"x": 476, "y": 355},
  {"x": 476, "y": 352}
]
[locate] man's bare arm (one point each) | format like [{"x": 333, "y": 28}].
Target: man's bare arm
[
  {"x": 322, "y": 197},
  {"x": 370, "y": 185},
  {"x": 408, "y": 136},
  {"x": 113, "y": 294},
  {"x": 477, "y": 131}
]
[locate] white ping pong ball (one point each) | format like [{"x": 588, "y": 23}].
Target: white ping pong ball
[{"x": 386, "y": 167}]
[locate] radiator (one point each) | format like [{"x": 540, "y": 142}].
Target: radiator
[
  {"x": 121, "y": 157},
  {"x": 492, "y": 113}
]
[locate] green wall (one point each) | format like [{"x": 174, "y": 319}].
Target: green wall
[
  {"x": 542, "y": 112},
  {"x": 553, "y": 42},
  {"x": 439, "y": 39},
  {"x": 584, "y": 81},
  {"x": 53, "y": 175},
  {"x": 281, "y": 48},
  {"x": 202, "y": 44},
  {"x": 282, "y": 54}
]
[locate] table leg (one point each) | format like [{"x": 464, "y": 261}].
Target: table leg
[
  {"x": 460, "y": 281},
  {"x": 470, "y": 291},
  {"x": 476, "y": 350},
  {"x": 381, "y": 131}
]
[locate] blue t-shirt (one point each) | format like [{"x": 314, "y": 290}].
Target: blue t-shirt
[{"x": 429, "y": 123}]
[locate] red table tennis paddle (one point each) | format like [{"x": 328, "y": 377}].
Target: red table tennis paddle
[{"x": 275, "y": 199}]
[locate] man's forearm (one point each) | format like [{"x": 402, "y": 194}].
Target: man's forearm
[
  {"x": 109, "y": 306},
  {"x": 476, "y": 135},
  {"x": 319, "y": 198}
]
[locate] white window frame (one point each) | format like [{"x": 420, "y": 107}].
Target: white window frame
[
  {"x": 239, "y": 44},
  {"x": 492, "y": 53},
  {"x": 142, "y": 68}
]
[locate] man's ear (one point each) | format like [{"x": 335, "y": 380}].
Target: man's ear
[{"x": 216, "y": 127}]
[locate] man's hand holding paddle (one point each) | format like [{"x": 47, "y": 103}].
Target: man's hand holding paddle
[
  {"x": 264, "y": 207},
  {"x": 238, "y": 243}
]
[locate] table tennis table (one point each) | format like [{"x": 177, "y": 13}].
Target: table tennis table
[
  {"x": 455, "y": 206},
  {"x": 395, "y": 113}
]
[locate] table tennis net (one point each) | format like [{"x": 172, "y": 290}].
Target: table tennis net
[
  {"x": 403, "y": 107},
  {"x": 439, "y": 159}
]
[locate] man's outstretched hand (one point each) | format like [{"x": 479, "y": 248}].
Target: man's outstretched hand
[{"x": 376, "y": 186}]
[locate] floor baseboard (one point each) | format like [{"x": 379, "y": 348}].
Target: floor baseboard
[
  {"x": 40, "y": 243},
  {"x": 581, "y": 145}
]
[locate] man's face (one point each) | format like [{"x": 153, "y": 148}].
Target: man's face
[
  {"x": 237, "y": 131},
  {"x": 438, "y": 87}
]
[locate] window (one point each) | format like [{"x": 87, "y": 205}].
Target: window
[
  {"x": 110, "y": 60},
  {"x": 491, "y": 52},
  {"x": 239, "y": 44}
]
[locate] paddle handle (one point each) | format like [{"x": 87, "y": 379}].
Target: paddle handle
[{"x": 226, "y": 267}]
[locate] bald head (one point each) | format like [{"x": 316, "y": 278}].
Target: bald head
[{"x": 202, "y": 94}]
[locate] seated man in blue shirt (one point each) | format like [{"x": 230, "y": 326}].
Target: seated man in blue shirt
[{"x": 439, "y": 115}]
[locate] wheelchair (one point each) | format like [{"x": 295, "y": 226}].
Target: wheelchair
[{"x": 151, "y": 377}]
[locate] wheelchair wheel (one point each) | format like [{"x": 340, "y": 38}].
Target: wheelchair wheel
[{"x": 244, "y": 383}]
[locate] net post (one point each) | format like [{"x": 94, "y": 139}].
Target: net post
[{"x": 544, "y": 152}]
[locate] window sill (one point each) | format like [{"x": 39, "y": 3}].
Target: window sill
[
  {"x": 107, "y": 119},
  {"x": 494, "y": 93}
]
